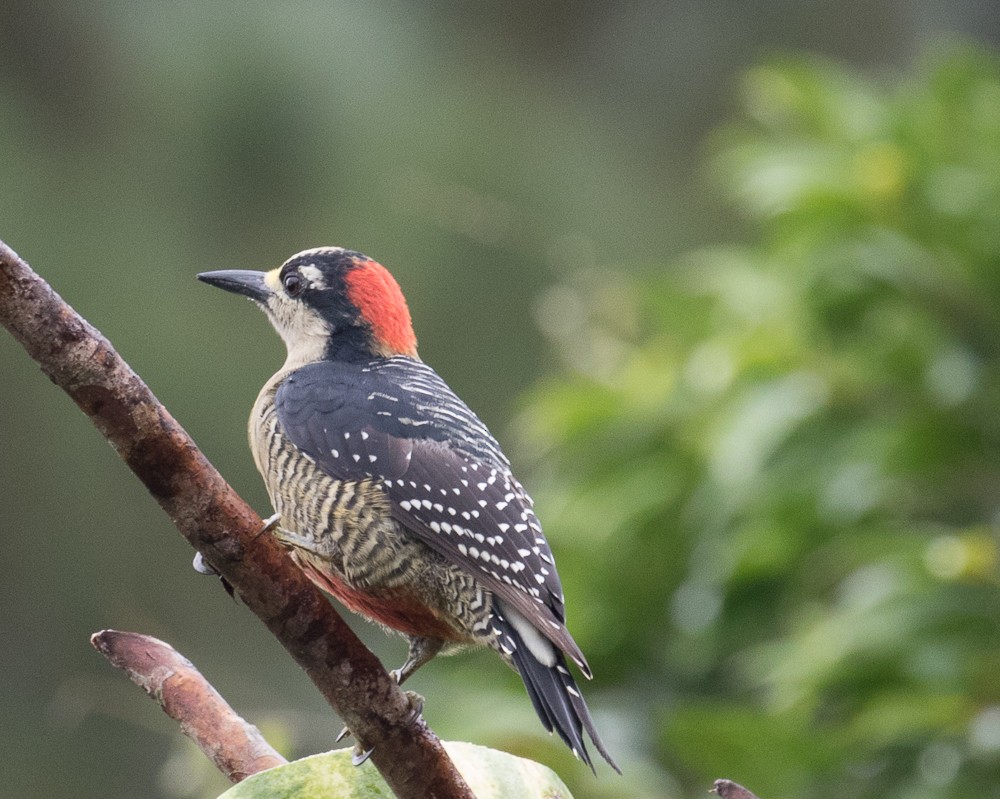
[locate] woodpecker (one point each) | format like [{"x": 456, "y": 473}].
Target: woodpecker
[{"x": 392, "y": 495}]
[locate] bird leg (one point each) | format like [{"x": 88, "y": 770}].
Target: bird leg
[
  {"x": 202, "y": 566},
  {"x": 323, "y": 547},
  {"x": 270, "y": 523},
  {"x": 421, "y": 650}
]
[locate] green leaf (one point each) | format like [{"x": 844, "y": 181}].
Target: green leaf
[{"x": 491, "y": 775}]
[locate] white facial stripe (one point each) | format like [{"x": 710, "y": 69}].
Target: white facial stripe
[{"x": 313, "y": 275}]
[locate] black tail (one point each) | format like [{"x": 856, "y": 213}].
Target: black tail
[{"x": 556, "y": 698}]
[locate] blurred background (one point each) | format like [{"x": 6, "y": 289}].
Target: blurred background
[{"x": 724, "y": 278}]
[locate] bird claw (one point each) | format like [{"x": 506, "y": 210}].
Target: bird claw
[
  {"x": 359, "y": 755},
  {"x": 416, "y": 706},
  {"x": 270, "y": 523},
  {"x": 202, "y": 566}
]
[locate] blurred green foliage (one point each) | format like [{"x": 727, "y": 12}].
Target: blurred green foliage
[
  {"x": 765, "y": 470},
  {"x": 772, "y": 471}
]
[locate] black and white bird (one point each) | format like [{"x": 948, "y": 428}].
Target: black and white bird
[{"x": 392, "y": 495}]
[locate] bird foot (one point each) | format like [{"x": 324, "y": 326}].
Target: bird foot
[
  {"x": 360, "y": 755},
  {"x": 416, "y": 706},
  {"x": 270, "y": 523},
  {"x": 202, "y": 566}
]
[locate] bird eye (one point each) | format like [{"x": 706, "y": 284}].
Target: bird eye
[{"x": 293, "y": 284}]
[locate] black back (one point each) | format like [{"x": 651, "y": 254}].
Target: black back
[{"x": 446, "y": 478}]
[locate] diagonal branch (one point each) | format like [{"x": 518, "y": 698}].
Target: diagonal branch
[
  {"x": 235, "y": 746},
  {"x": 218, "y": 523}
]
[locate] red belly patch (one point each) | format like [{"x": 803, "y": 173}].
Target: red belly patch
[{"x": 398, "y": 608}]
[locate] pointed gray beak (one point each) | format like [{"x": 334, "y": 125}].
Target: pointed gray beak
[{"x": 239, "y": 281}]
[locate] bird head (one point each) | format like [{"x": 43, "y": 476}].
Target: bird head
[{"x": 328, "y": 303}]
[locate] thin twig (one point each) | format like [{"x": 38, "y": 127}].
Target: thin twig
[
  {"x": 218, "y": 523},
  {"x": 235, "y": 746}
]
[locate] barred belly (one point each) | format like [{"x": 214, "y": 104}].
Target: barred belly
[{"x": 345, "y": 539}]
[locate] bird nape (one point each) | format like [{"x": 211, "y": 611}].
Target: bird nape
[{"x": 390, "y": 492}]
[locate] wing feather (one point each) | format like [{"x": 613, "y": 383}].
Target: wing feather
[{"x": 445, "y": 476}]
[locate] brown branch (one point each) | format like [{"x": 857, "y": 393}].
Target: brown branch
[
  {"x": 728, "y": 789},
  {"x": 218, "y": 523},
  {"x": 235, "y": 746}
]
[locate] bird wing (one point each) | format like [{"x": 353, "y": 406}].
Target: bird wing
[{"x": 447, "y": 481}]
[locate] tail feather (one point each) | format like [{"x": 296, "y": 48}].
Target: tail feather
[{"x": 556, "y": 698}]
